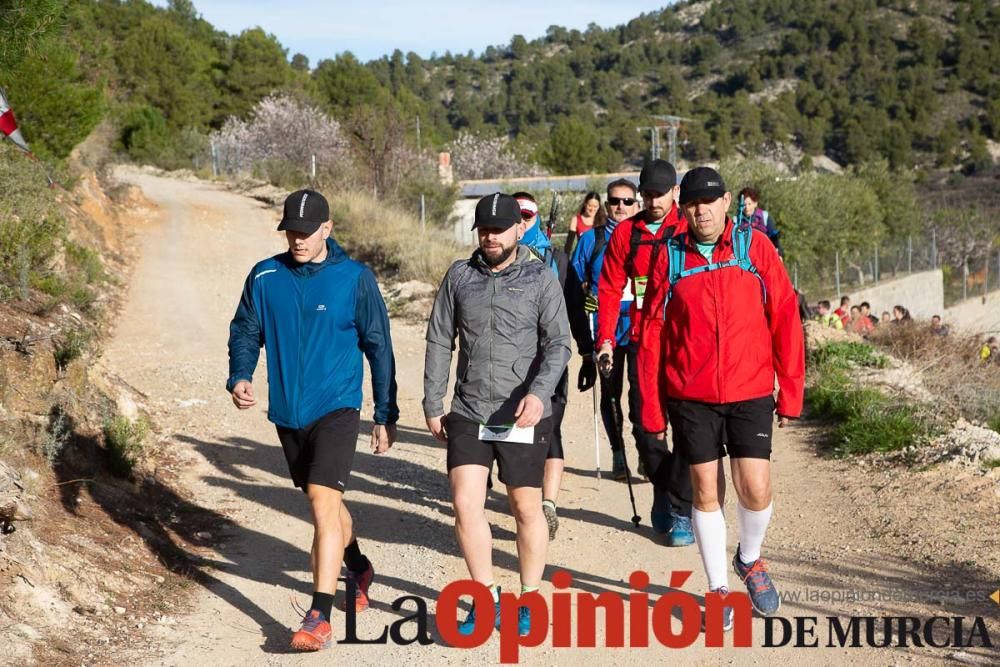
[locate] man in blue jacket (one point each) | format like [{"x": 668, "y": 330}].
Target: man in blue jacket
[
  {"x": 588, "y": 260},
  {"x": 317, "y": 310}
]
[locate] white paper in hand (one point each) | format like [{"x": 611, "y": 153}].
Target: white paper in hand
[{"x": 507, "y": 433}]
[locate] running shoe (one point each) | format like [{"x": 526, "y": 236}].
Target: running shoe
[
  {"x": 523, "y": 621},
  {"x": 727, "y": 612},
  {"x": 763, "y": 594},
  {"x": 362, "y": 581},
  {"x": 681, "y": 533},
  {"x": 661, "y": 515},
  {"x": 467, "y": 626},
  {"x": 618, "y": 464},
  {"x": 552, "y": 519},
  {"x": 315, "y": 633}
]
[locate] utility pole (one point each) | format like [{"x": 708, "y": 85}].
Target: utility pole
[
  {"x": 654, "y": 141},
  {"x": 418, "y": 134},
  {"x": 671, "y": 124}
]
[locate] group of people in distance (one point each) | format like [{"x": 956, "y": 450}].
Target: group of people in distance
[
  {"x": 859, "y": 319},
  {"x": 693, "y": 306}
]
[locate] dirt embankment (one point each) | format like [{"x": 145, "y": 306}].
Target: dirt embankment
[{"x": 75, "y": 575}]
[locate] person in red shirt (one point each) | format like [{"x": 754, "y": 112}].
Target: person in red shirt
[
  {"x": 727, "y": 324},
  {"x": 635, "y": 246},
  {"x": 844, "y": 312}
]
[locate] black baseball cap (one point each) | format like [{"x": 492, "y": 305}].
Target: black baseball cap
[
  {"x": 657, "y": 176},
  {"x": 702, "y": 183},
  {"x": 497, "y": 211},
  {"x": 304, "y": 212}
]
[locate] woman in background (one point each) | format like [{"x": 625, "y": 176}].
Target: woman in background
[{"x": 591, "y": 215}]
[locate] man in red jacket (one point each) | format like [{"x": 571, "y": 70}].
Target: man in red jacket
[
  {"x": 634, "y": 247},
  {"x": 728, "y": 325}
]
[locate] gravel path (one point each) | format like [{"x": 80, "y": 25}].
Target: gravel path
[{"x": 170, "y": 343}]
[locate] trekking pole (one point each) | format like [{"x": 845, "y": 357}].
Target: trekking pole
[
  {"x": 636, "y": 519},
  {"x": 597, "y": 408}
]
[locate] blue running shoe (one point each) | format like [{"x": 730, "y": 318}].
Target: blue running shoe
[
  {"x": 681, "y": 533},
  {"x": 727, "y": 612},
  {"x": 763, "y": 594},
  {"x": 523, "y": 621},
  {"x": 661, "y": 515},
  {"x": 468, "y": 626}
]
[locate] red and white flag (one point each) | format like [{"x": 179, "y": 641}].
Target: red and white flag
[{"x": 8, "y": 124}]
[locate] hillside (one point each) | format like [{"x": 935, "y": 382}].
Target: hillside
[{"x": 913, "y": 81}]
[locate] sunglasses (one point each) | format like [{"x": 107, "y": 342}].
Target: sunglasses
[
  {"x": 527, "y": 215},
  {"x": 615, "y": 201}
]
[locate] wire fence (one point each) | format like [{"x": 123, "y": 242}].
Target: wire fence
[{"x": 841, "y": 272}]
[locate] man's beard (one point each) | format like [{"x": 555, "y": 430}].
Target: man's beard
[{"x": 499, "y": 259}]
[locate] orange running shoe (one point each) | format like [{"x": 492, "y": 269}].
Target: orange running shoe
[
  {"x": 362, "y": 582},
  {"x": 315, "y": 633}
]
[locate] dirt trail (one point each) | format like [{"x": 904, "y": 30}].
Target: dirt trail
[{"x": 170, "y": 342}]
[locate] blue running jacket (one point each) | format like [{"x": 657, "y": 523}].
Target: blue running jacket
[{"x": 316, "y": 320}]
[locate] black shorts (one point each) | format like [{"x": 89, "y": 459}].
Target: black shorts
[
  {"x": 705, "y": 432},
  {"x": 518, "y": 463},
  {"x": 322, "y": 452}
]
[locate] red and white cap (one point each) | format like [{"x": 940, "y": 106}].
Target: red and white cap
[{"x": 527, "y": 206}]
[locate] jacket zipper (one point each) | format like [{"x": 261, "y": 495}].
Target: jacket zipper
[
  {"x": 718, "y": 327},
  {"x": 298, "y": 369},
  {"x": 493, "y": 277}
]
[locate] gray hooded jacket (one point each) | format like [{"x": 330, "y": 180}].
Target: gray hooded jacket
[{"x": 513, "y": 338}]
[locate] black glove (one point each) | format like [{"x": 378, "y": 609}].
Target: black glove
[{"x": 587, "y": 376}]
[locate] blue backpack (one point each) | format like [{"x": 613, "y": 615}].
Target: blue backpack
[{"x": 742, "y": 235}]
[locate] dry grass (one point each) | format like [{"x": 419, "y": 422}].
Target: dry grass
[
  {"x": 389, "y": 239},
  {"x": 950, "y": 369}
]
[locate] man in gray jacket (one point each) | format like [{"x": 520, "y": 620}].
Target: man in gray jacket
[{"x": 507, "y": 309}]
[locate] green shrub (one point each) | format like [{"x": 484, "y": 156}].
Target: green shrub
[
  {"x": 994, "y": 423},
  {"x": 124, "y": 441},
  {"x": 31, "y": 222},
  {"x": 144, "y": 133},
  {"x": 866, "y": 419},
  {"x": 70, "y": 346},
  {"x": 58, "y": 435},
  {"x": 846, "y": 355},
  {"x": 86, "y": 262}
]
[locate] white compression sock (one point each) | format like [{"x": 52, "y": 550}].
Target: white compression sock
[
  {"x": 710, "y": 533},
  {"x": 753, "y": 525}
]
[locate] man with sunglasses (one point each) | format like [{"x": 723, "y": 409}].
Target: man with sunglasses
[
  {"x": 588, "y": 257},
  {"x": 634, "y": 248}
]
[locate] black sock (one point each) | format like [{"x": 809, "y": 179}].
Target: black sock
[
  {"x": 354, "y": 559},
  {"x": 322, "y": 602}
]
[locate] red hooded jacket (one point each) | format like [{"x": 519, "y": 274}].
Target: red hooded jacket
[
  {"x": 719, "y": 340},
  {"x": 615, "y": 277}
]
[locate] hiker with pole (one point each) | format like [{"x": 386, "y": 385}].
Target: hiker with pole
[
  {"x": 634, "y": 248},
  {"x": 588, "y": 260},
  {"x": 535, "y": 239}
]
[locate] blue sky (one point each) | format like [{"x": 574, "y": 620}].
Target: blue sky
[{"x": 372, "y": 29}]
